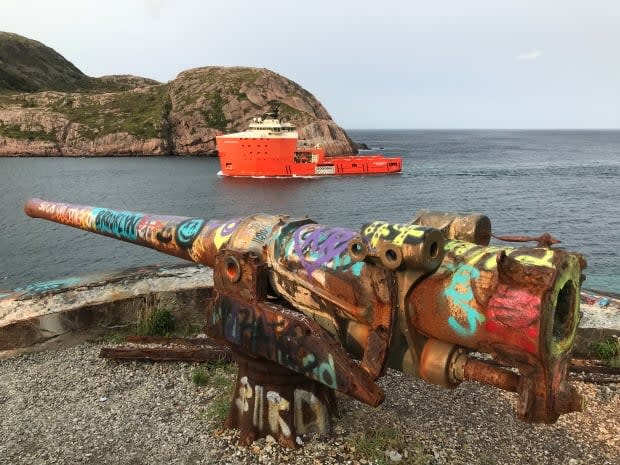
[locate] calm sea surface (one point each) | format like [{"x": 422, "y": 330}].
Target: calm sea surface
[{"x": 527, "y": 182}]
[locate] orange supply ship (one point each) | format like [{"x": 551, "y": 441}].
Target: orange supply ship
[{"x": 269, "y": 148}]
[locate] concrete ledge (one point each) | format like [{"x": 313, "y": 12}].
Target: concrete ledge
[
  {"x": 586, "y": 336},
  {"x": 598, "y": 323},
  {"x": 73, "y": 309},
  {"x": 47, "y": 310}
]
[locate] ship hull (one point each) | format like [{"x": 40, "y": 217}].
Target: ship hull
[{"x": 280, "y": 157}]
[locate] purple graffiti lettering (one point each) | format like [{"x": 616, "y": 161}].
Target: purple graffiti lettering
[
  {"x": 228, "y": 226},
  {"x": 321, "y": 244}
]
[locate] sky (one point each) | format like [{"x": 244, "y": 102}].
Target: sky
[{"x": 378, "y": 64}]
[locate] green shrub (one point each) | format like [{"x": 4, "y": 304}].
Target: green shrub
[
  {"x": 157, "y": 322},
  {"x": 15, "y": 132},
  {"x": 607, "y": 349},
  {"x": 137, "y": 113},
  {"x": 214, "y": 116}
]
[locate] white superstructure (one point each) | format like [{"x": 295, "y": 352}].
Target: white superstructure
[{"x": 268, "y": 127}]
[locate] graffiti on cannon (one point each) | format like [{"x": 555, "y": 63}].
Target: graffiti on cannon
[
  {"x": 319, "y": 246},
  {"x": 279, "y": 339},
  {"x": 301, "y": 304}
]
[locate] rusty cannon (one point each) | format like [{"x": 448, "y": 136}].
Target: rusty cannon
[{"x": 310, "y": 309}]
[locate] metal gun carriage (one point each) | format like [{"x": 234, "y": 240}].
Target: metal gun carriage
[{"x": 310, "y": 309}]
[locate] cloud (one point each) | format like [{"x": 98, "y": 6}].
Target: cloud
[
  {"x": 154, "y": 7},
  {"x": 529, "y": 56}
]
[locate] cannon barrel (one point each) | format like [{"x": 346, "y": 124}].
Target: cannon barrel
[
  {"x": 414, "y": 297},
  {"x": 193, "y": 239}
]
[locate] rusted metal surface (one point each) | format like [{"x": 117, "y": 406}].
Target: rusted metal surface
[
  {"x": 477, "y": 370},
  {"x": 294, "y": 341},
  {"x": 473, "y": 227},
  {"x": 271, "y": 400},
  {"x": 309, "y": 299},
  {"x": 544, "y": 240},
  {"x": 589, "y": 370},
  {"x": 180, "y": 341},
  {"x": 167, "y": 354},
  {"x": 167, "y": 349},
  {"x": 588, "y": 366},
  {"x": 520, "y": 305}
]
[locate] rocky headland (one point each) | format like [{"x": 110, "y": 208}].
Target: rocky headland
[{"x": 48, "y": 107}]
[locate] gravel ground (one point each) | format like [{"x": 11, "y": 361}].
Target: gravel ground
[{"x": 69, "y": 406}]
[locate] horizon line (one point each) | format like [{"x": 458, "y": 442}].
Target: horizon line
[{"x": 482, "y": 129}]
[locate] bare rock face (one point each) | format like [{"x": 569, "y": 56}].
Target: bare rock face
[
  {"x": 79, "y": 124},
  {"x": 125, "y": 81},
  {"x": 118, "y": 143},
  {"x": 213, "y": 100},
  {"x": 48, "y": 107},
  {"x": 35, "y": 148},
  {"x": 147, "y": 118},
  {"x": 332, "y": 137}
]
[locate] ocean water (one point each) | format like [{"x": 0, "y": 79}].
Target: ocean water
[{"x": 528, "y": 182}]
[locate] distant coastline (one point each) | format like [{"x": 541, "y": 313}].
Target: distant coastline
[
  {"x": 48, "y": 107},
  {"x": 111, "y": 155}
]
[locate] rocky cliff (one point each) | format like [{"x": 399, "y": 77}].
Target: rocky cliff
[{"x": 129, "y": 115}]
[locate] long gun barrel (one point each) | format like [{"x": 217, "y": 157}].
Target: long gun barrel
[
  {"x": 192, "y": 239},
  {"x": 420, "y": 297}
]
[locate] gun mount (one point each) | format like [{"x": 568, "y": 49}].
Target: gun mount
[{"x": 311, "y": 309}]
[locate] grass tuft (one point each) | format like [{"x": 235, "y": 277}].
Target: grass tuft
[
  {"x": 118, "y": 335},
  {"x": 218, "y": 409},
  {"x": 375, "y": 442},
  {"x": 155, "y": 322},
  {"x": 607, "y": 349},
  {"x": 200, "y": 376},
  {"x": 220, "y": 376}
]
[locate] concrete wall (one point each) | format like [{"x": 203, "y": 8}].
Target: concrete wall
[{"x": 44, "y": 311}]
